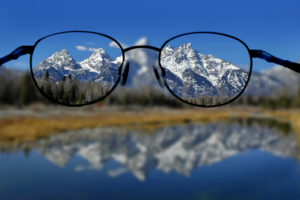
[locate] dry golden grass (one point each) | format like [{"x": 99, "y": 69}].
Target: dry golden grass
[
  {"x": 291, "y": 116},
  {"x": 31, "y": 128},
  {"x": 23, "y": 129}
]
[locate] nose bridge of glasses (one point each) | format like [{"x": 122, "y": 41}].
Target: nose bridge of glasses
[
  {"x": 141, "y": 46},
  {"x": 157, "y": 76},
  {"x": 125, "y": 74}
]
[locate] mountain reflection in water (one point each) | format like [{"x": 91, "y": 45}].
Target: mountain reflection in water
[{"x": 180, "y": 148}]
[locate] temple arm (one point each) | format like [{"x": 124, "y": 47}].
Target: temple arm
[
  {"x": 20, "y": 51},
  {"x": 270, "y": 58}
]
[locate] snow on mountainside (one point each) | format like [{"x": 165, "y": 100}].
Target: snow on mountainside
[
  {"x": 202, "y": 74},
  {"x": 185, "y": 57},
  {"x": 98, "y": 67}
]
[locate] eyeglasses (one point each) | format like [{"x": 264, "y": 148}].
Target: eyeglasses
[{"x": 205, "y": 69}]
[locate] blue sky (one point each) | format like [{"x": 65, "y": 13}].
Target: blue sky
[{"x": 269, "y": 25}]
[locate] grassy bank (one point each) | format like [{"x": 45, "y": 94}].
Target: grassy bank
[{"x": 29, "y": 128}]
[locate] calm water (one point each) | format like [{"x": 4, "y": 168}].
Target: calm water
[{"x": 213, "y": 161}]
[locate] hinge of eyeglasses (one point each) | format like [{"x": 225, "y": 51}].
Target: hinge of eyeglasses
[
  {"x": 264, "y": 55},
  {"x": 270, "y": 58},
  {"x": 20, "y": 51}
]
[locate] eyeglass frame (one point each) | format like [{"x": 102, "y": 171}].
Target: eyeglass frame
[{"x": 253, "y": 53}]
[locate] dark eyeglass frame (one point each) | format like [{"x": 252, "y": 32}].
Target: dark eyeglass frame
[{"x": 253, "y": 53}]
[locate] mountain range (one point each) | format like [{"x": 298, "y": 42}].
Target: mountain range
[
  {"x": 209, "y": 75},
  {"x": 188, "y": 71},
  {"x": 98, "y": 67}
]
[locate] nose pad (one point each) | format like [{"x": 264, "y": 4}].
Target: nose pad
[
  {"x": 125, "y": 74},
  {"x": 157, "y": 76}
]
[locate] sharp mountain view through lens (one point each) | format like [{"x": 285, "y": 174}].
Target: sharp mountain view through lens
[
  {"x": 191, "y": 75},
  {"x": 61, "y": 78},
  {"x": 201, "y": 79},
  {"x": 99, "y": 67}
]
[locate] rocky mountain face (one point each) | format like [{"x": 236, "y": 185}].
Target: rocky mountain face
[
  {"x": 176, "y": 148},
  {"x": 98, "y": 67},
  {"x": 198, "y": 74}
]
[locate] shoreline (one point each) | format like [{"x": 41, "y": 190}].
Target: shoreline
[{"x": 41, "y": 122}]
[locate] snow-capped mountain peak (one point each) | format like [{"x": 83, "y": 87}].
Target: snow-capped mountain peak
[
  {"x": 61, "y": 58},
  {"x": 57, "y": 65},
  {"x": 99, "y": 66},
  {"x": 97, "y": 60},
  {"x": 62, "y": 53},
  {"x": 200, "y": 74},
  {"x": 100, "y": 53}
]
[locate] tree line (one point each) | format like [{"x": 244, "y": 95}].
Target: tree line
[
  {"x": 70, "y": 90},
  {"x": 21, "y": 90}
]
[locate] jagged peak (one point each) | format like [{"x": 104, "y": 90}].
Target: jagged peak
[
  {"x": 168, "y": 48},
  {"x": 62, "y": 53},
  {"x": 188, "y": 46},
  {"x": 210, "y": 56},
  {"x": 99, "y": 52}
]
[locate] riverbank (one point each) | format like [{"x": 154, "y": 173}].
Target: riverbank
[{"x": 32, "y": 123}]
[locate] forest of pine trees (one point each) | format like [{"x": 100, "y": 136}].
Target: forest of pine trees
[
  {"x": 208, "y": 100},
  {"x": 69, "y": 90}
]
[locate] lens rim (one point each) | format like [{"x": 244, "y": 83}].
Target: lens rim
[
  {"x": 205, "y": 32},
  {"x": 83, "y": 104}
]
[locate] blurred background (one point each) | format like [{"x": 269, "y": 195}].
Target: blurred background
[{"x": 140, "y": 142}]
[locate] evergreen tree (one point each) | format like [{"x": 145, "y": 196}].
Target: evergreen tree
[{"x": 81, "y": 99}]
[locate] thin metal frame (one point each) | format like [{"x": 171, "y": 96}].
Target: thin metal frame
[{"x": 23, "y": 50}]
